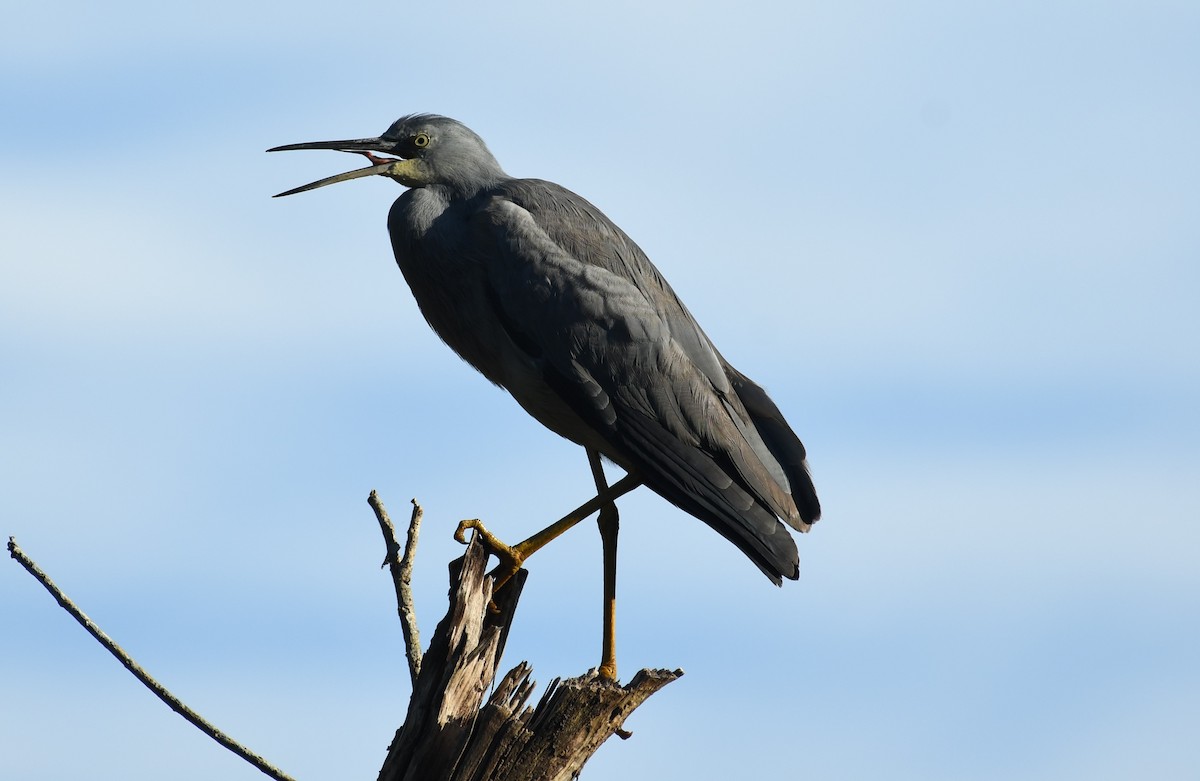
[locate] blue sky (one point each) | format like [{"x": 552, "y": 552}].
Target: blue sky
[{"x": 956, "y": 241}]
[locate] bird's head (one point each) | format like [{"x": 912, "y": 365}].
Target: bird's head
[{"x": 428, "y": 150}]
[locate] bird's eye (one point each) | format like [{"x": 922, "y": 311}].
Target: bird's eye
[{"x": 421, "y": 140}]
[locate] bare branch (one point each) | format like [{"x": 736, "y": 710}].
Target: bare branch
[
  {"x": 159, "y": 690},
  {"x": 401, "y": 568}
]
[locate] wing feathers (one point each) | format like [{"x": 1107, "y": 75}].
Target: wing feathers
[{"x": 615, "y": 344}]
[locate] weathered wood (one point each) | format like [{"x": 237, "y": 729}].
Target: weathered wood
[{"x": 451, "y": 734}]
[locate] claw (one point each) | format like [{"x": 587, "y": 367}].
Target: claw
[{"x": 510, "y": 559}]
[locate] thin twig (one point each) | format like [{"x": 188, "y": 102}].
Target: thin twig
[
  {"x": 159, "y": 690},
  {"x": 401, "y": 568}
]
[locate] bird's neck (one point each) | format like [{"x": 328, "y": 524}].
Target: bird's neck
[{"x": 471, "y": 178}]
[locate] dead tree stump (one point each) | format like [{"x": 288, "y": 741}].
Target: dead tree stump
[{"x": 451, "y": 734}]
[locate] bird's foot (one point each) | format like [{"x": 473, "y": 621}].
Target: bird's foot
[{"x": 510, "y": 559}]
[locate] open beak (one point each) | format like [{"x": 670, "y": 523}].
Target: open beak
[{"x": 396, "y": 168}]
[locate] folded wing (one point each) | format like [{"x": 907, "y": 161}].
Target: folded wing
[{"x": 612, "y": 340}]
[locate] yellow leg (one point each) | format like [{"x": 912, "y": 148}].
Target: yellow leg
[
  {"x": 512, "y": 557},
  {"x": 609, "y": 523}
]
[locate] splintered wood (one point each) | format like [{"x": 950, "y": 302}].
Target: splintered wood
[{"x": 451, "y": 734}]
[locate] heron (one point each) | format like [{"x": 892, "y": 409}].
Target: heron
[{"x": 546, "y": 297}]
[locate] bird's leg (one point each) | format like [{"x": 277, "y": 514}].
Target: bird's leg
[
  {"x": 609, "y": 524},
  {"x": 512, "y": 557}
]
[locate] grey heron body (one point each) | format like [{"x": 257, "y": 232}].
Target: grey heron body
[{"x": 546, "y": 297}]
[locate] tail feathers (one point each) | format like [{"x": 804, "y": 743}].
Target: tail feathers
[
  {"x": 692, "y": 481},
  {"x": 783, "y": 444}
]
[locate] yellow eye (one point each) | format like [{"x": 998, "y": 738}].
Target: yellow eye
[{"x": 421, "y": 140}]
